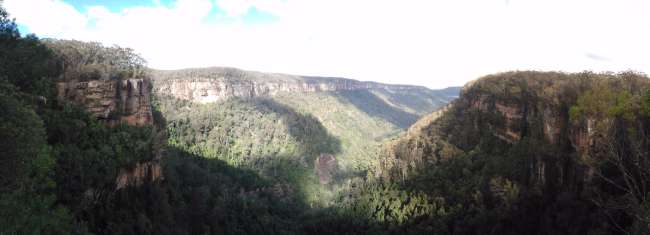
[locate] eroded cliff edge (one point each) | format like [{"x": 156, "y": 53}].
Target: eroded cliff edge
[
  {"x": 118, "y": 101},
  {"x": 508, "y": 109},
  {"x": 110, "y": 100},
  {"x": 206, "y": 85}
]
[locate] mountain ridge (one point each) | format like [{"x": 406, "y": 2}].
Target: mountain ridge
[
  {"x": 256, "y": 75},
  {"x": 219, "y": 83}
]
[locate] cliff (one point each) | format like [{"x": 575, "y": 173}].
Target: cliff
[
  {"x": 538, "y": 148},
  {"x": 113, "y": 101},
  {"x": 148, "y": 171},
  {"x": 510, "y": 108},
  {"x": 213, "y": 84}
]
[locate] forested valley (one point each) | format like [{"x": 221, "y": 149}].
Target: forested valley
[{"x": 94, "y": 142}]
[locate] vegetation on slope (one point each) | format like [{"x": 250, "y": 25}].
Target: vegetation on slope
[
  {"x": 574, "y": 161},
  {"x": 59, "y": 165},
  {"x": 56, "y": 160},
  {"x": 280, "y": 136}
]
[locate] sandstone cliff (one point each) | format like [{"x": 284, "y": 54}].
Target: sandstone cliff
[
  {"x": 148, "y": 171},
  {"x": 214, "y": 84},
  {"x": 510, "y": 108},
  {"x": 113, "y": 101}
]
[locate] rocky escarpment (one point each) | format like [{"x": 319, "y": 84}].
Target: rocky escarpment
[
  {"x": 325, "y": 167},
  {"x": 148, "y": 171},
  {"x": 538, "y": 147},
  {"x": 511, "y": 108},
  {"x": 114, "y": 101},
  {"x": 214, "y": 84}
]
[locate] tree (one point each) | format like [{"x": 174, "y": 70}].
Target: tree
[{"x": 645, "y": 104}]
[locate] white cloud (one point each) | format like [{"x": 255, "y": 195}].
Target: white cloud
[
  {"x": 48, "y": 17},
  {"x": 236, "y": 8},
  {"x": 432, "y": 43}
]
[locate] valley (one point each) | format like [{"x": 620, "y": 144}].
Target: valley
[
  {"x": 255, "y": 121},
  {"x": 94, "y": 141}
]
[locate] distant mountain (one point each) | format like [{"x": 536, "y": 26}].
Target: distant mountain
[
  {"x": 205, "y": 85},
  {"x": 224, "y": 112}
]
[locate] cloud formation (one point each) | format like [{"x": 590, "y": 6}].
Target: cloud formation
[{"x": 432, "y": 43}]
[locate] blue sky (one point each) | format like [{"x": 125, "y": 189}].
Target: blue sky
[
  {"x": 435, "y": 43},
  {"x": 253, "y": 15},
  {"x": 114, "y": 5}
]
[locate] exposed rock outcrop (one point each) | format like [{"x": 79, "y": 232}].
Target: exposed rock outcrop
[
  {"x": 511, "y": 107},
  {"x": 148, "y": 171},
  {"x": 113, "y": 101},
  {"x": 213, "y": 84},
  {"x": 325, "y": 167}
]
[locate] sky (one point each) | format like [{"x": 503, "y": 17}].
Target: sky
[{"x": 434, "y": 43}]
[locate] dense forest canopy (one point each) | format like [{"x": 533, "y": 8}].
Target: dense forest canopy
[{"x": 92, "y": 60}]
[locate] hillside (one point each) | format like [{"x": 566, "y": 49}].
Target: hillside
[
  {"x": 281, "y": 125},
  {"x": 355, "y": 116},
  {"x": 534, "y": 153}
]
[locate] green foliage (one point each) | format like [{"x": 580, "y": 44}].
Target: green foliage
[
  {"x": 92, "y": 60},
  {"x": 645, "y": 104},
  {"x": 269, "y": 138},
  {"x": 374, "y": 106},
  {"x": 376, "y": 208},
  {"x": 198, "y": 196},
  {"x": 22, "y": 140},
  {"x": 504, "y": 190},
  {"x": 32, "y": 212},
  {"x": 89, "y": 154},
  {"x": 601, "y": 102},
  {"x": 25, "y": 198},
  {"x": 359, "y": 130},
  {"x": 575, "y": 113},
  {"x": 26, "y": 161},
  {"x": 52, "y": 155},
  {"x": 388, "y": 204},
  {"x": 24, "y": 61},
  {"x": 247, "y": 133}
]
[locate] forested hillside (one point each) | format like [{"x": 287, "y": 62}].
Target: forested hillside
[
  {"x": 74, "y": 165},
  {"x": 533, "y": 153},
  {"x": 281, "y": 126}
]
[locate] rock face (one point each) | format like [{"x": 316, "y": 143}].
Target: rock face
[
  {"x": 215, "y": 84},
  {"x": 511, "y": 107},
  {"x": 113, "y": 101},
  {"x": 325, "y": 167},
  {"x": 148, "y": 171}
]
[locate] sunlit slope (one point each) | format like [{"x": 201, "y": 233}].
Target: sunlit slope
[{"x": 251, "y": 119}]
